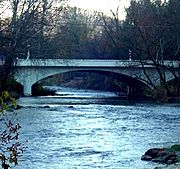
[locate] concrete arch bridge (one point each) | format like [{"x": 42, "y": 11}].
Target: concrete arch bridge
[{"x": 30, "y": 71}]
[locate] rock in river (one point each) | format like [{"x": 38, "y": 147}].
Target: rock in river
[{"x": 162, "y": 155}]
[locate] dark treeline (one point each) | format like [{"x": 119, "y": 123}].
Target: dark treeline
[{"x": 39, "y": 30}]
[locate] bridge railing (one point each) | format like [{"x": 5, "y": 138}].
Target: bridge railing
[{"x": 88, "y": 63}]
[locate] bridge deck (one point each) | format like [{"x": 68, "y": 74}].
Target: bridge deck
[{"x": 87, "y": 63}]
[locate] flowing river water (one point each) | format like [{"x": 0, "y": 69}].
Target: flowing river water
[{"x": 82, "y": 129}]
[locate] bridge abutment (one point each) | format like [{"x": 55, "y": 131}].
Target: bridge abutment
[{"x": 25, "y": 77}]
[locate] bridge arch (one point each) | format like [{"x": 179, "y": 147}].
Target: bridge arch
[{"x": 38, "y": 75}]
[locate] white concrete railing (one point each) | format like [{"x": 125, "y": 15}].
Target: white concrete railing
[{"x": 87, "y": 63}]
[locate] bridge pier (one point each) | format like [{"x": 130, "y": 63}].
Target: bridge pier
[{"x": 27, "y": 89}]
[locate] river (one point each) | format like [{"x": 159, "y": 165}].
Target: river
[{"x": 82, "y": 129}]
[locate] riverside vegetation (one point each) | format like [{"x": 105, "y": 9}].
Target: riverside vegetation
[{"x": 10, "y": 146}]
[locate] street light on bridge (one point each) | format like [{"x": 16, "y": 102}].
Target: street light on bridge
[
  {"x": 130, "y": 55},
  {"x": 28, "y": 51}
]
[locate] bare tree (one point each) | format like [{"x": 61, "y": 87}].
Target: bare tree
[
  {"x": 151, "y": 33},
  {"x": 154, "y": 38},
  {"x": 19, "y": 30}
]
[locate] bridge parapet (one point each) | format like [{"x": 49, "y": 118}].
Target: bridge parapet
[
  {"x": 88, "y": 63},
  {"x": 74, "y": 63}
]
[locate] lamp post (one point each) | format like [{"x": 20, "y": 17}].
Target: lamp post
[
  {"x": 130, "y": 55},
  {"x": 28, "y": 51}
]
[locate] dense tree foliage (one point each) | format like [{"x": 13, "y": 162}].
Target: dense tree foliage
[{"x": 150, "y": 30}]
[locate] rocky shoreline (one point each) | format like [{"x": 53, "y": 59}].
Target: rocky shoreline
[{"x": 170, "y": 156}]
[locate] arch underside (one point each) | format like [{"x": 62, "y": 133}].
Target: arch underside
[{"x": 124, "y": 77}]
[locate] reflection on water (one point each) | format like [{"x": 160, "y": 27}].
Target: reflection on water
[{"x": 96, "y": 132}]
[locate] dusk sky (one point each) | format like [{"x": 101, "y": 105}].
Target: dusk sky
[{"x": 102, "y": 5}]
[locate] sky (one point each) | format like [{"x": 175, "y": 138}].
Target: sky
[{"x": 102, "y": 5}]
